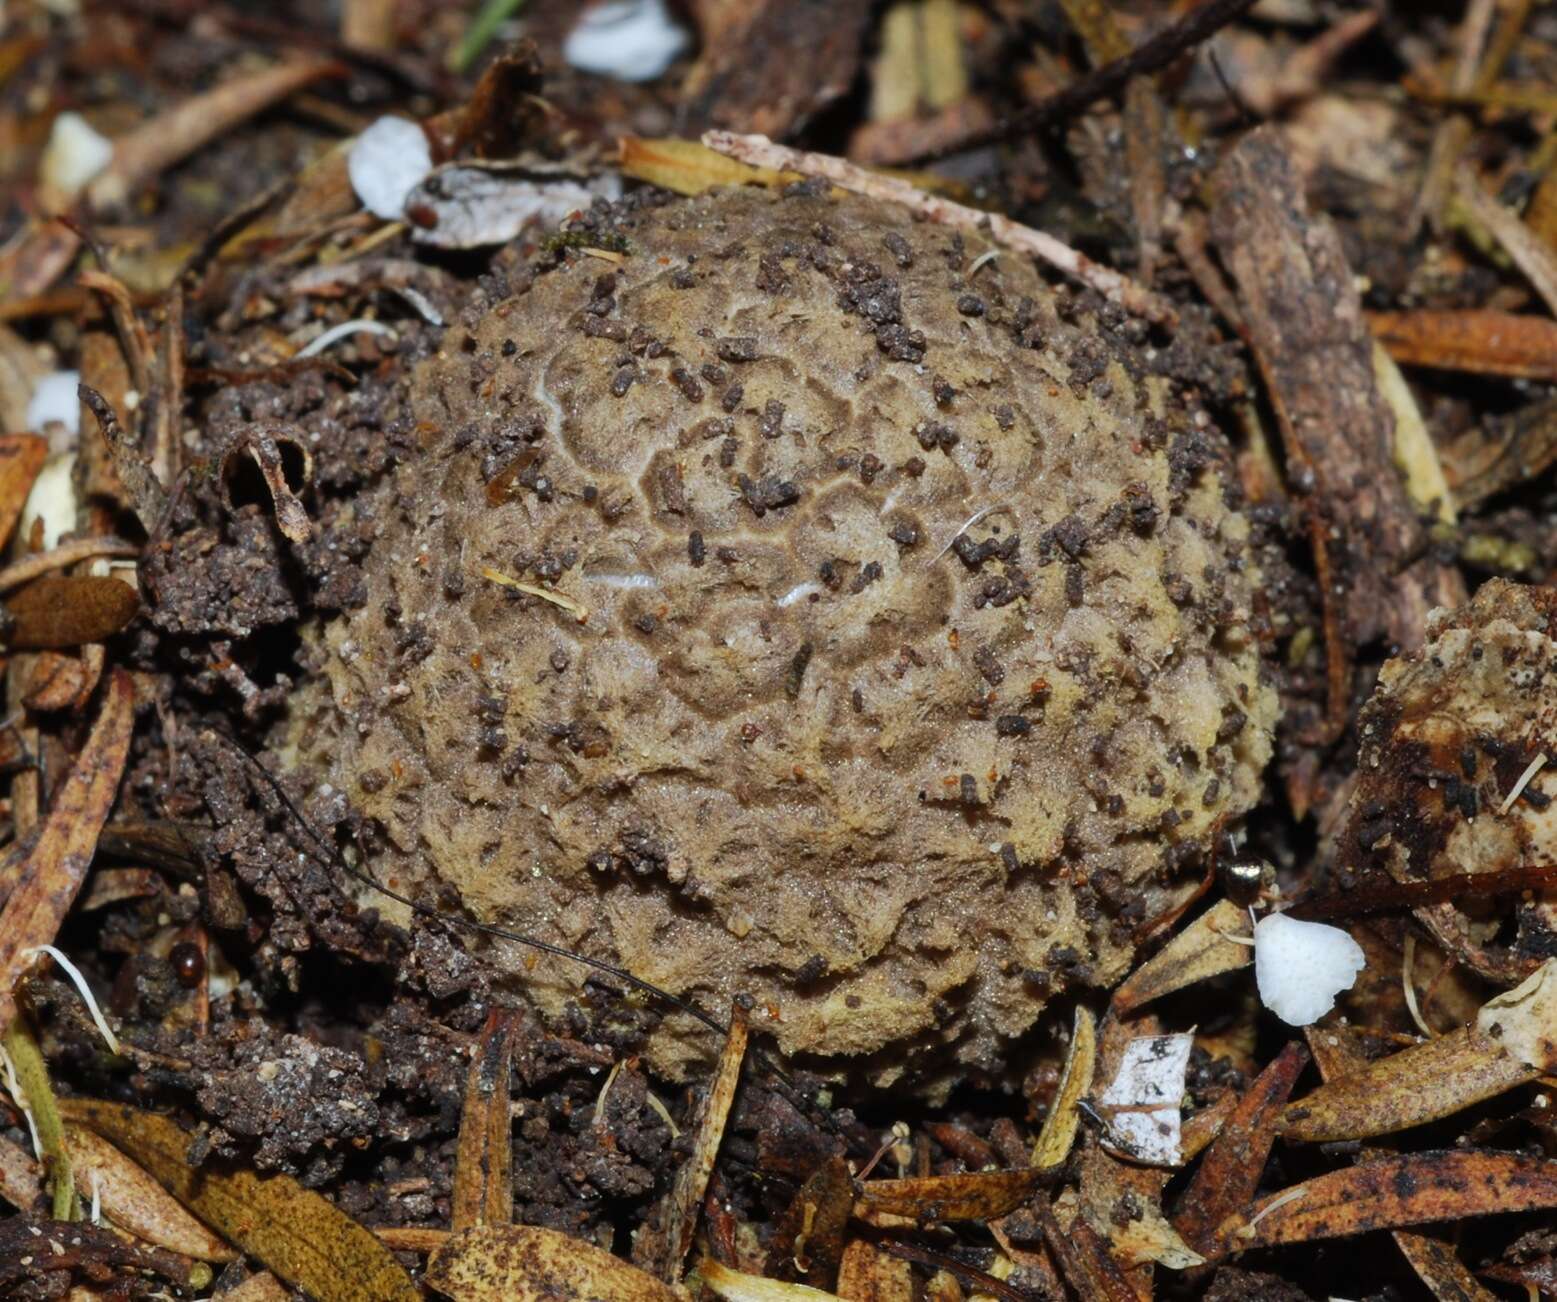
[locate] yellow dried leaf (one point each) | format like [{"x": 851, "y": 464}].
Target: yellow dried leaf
[
  {"x": 1197, "y": 953},
  {"x": 293, "y": 1232},
  {"x": 524, "y": 1263},
  {"x": 1059, "y": 1127},
  {"x": 738, "y": 1286},
  {"x": 688, "y": 167}
]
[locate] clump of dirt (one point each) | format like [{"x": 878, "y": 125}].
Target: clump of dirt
[{"x": 807, "y": 603}]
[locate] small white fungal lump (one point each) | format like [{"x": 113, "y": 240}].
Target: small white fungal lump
[
  {"x": 1300, "y": 967},
  {"x": 387, "y": 162},
  {"x": 54, "y": 399},
  {"x": 631, "y": 40},
  {"x": 74, "y": 156}
]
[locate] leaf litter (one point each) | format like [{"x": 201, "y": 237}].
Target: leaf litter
[{"x": 1031, "y": 1196}]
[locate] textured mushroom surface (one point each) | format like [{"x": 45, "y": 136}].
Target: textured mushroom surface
[
  {"x": 884, "y": 648},
  {"x": 1450, "y": 772}
]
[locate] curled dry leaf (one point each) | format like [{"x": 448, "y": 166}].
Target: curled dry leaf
[
  {"x": 1197, "y": 953},
  {"x": 973, "y": 1196},
  {"x": 808, "y": 1240},
  {"x": 134, "y": 1201},
  {"x": 524, "y": 1263},
  {"x": 297, "y": 1234},
  {"x": 66, "y": 611},
  {"x": 1059, "y": 1127},
  {"x": 1423, "y": 1083},
  {"x": 264, "y": 446},
  {"x": 52, "y": 873},
  {"x": 1392, "y": 1191}
]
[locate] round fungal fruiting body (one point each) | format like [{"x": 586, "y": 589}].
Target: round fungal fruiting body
[{"x": 882, "y": 648}]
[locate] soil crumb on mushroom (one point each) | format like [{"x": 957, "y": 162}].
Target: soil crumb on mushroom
[{"x": 833, "y": 730}]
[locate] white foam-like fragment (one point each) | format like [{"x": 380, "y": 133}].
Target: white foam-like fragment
[
  {"x": 386, "y": 162},
  {"x": 74, "y": 156},
  {"x": 631, "y": 40},
  {"x": 54, "y": 399},
  {"x": 1300, "y": 967}
]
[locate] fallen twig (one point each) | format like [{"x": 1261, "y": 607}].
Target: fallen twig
[{"x": 762, "y": 152}]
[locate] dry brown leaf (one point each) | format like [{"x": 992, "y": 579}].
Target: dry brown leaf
[
  {"x": 1386, "y": 1192},
  {"x": 686, "y": 1195},
  {"x": 972, "y": 1196},
  {"x": 1482, "y": 341},
  {"x": 808, "y": 1239},
  {"x": 52, "y": 873},
  {"x": 290, "y": 1230},
  {"x": 1231, "y": 1170},
  {"x": 687, "y": 167},
  {"x": 1059, "y": 1127},
  {"x": 1084, "y": 1259},
  {"x": 1423, "y": 1083},
  {"x": 1197, "y": 953},
  {"x": 21, "y": 458},
  {"x": 54, "y": 681},
  {"x": 66, "y": 611},
  {"x": 134, "y": 1201},
  {"x": 524, "y": 1263},
  {"x": 483, "y": 1162}
]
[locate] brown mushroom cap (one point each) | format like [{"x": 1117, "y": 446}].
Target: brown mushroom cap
[{"x": 915, "y": 655}]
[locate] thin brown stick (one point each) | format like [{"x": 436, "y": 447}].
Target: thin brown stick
[
  {"x": 82, "y": 549},
  {"x": 1151, "y": 55},
  {"x": 762, "y": 152},
  {"x": 163, "y": 140}
]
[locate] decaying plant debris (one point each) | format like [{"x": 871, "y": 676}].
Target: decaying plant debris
[{"x": 1158, "y": 459}]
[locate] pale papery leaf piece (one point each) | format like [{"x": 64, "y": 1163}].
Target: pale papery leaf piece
[
  {"x": 134, "y": 1201},
  {"x": 1142, "y": 1102},
  {"x": 466, "y": 206},
  {"x": 52, "y": 873},
  {"x": 1523, "y": 1021},
  {"x": 1300, "y": 967},
  {"x": 525, "y": 1263}
]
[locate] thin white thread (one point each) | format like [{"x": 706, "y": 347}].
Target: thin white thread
[{"x": 74, "y": 974}]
